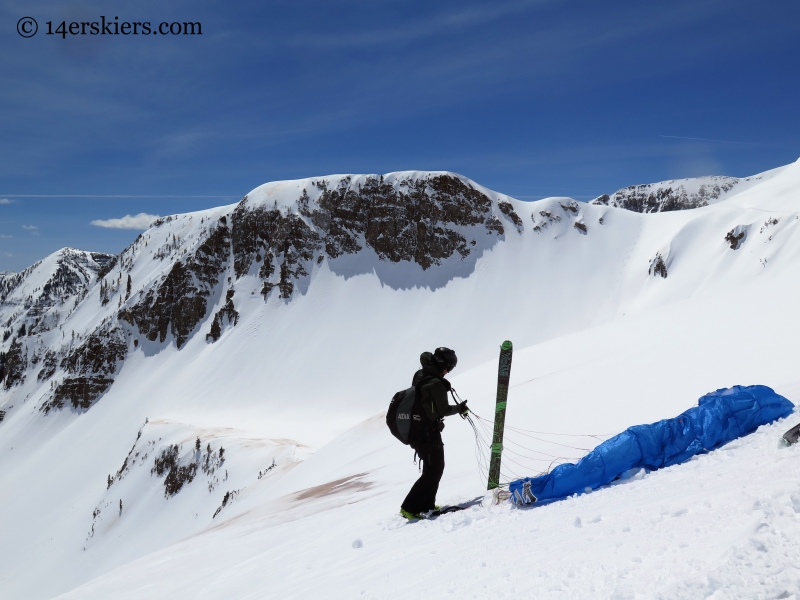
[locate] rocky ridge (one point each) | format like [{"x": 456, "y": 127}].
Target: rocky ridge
[
  {"x": 70, "y": 321},
  {"x": 671, "y": 195},
  {"x": 275, "y": 234}
]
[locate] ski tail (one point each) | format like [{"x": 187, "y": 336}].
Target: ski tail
[{"x": 793, "y": 435}]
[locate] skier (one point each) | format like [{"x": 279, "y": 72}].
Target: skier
[{"x": 425, "y": 437}]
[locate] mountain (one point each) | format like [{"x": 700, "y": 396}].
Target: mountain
[
  {"x": 681, "y": 194},
  {"x": 38, "y": 295},
  {"x": 203, "y": 415}
]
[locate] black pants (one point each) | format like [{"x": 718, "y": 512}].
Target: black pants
[{"x": 422, "y": 496}]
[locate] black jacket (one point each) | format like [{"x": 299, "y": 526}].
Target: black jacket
[{"x": 433, "y": 393}]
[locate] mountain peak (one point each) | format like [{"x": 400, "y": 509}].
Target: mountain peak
[{"x": 681, "y": 194}]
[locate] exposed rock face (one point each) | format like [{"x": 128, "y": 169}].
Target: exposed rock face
[
  {"x": 669, "y": 196},
  {"x": 50, "y": 363},
  {"x": 736, "y": 236},
  {"x": 571, "y": 206},
  {"x": 508, "y": 210},
  {"x": 16, "y": 363},
  {"x": 80, "y": 392},
  {"x": 179, "y": 303},
  {"x": 225, "y": 316},
  {"x": 547, "y": 218},
  {"x": 282, "y": 243},
  {"x": 98, "y": 355},
  {"x": 413, "y": 220},
  {"x": 109, "y": 262},
  {"x": 551, "y": 215},
  {"x": 408, "y": 221},
  {"x": 91, "y": 367}
]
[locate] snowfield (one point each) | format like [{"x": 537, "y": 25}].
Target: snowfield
[
  {"x": 617, "y": 318},
  {"x": 724, "y": 525}
]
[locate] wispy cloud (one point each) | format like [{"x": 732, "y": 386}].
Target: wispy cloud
[
  {"x": 8, "y": 254},
  {"x": 32, "y": 228},
  {"x": 5, "y": 237},
  {"x": 140, "y": 221},
  {"x": 681, "y": 137},
  {"x": 6, "y": 201},
  {"x": 429, "y": 26}
]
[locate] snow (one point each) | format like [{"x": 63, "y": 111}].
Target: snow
[
  {"x": 647, "y": 538},
  {"x": 599, "y": 345}
]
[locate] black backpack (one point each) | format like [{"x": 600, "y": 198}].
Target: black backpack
[
  {"x": 404, "y": 417},
  {"x": 401, "y": 413}
]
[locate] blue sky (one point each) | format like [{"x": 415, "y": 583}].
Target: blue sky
[{"x": 530, "y": 98}]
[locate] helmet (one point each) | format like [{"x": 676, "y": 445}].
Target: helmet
[{"x": 445, "y": 358}]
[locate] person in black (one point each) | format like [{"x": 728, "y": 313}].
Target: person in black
[{"x": 427, "y": 423}]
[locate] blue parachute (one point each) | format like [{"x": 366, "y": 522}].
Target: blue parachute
[{"x": 718, "y": 418}]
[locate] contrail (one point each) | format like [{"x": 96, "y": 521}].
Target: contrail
[{"x": 105, "y": 196}]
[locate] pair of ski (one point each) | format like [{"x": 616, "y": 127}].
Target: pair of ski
[{"x": 433, "y": 514}]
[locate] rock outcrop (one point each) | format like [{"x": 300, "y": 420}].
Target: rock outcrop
[
  {"x": 669, "y": 195},
  {"x": 179, "y": 302}
]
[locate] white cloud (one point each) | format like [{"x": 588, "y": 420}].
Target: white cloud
[
  {"x": 140, "y": 221},
  {"x": 6, "y": 201},
  {"x": 5, "y": 237},
  {"x": 30, "y": 227}
]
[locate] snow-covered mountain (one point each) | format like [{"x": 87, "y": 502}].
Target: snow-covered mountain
[
  {"x": 43, "y": 294},
  {"x": 681, "y": 194},
  {"x": 222, "y": 382}
]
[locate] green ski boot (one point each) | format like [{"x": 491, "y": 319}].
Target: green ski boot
[{"x": 409, "y": 515}]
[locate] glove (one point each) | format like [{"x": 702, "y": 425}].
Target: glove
[{"x": 462, "y": 408}]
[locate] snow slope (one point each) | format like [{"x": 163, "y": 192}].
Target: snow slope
[
  {"x": 726, "y": 523},
  {"x": 602, "y": 338}
]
